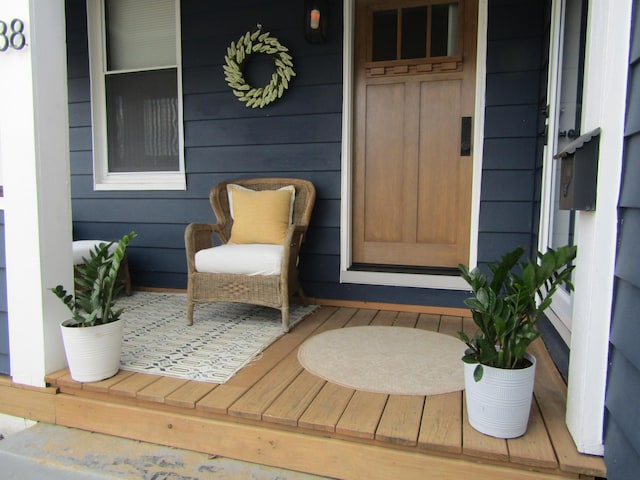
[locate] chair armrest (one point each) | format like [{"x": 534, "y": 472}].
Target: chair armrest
[
  {"x": 198, "y": 236},
  {"x": 297, "y": 237},
  {"x": 292, "y": 243}
]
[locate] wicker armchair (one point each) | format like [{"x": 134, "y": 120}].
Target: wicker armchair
[{"x": 271, "y": 290}]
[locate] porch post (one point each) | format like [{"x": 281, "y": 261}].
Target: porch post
[
  {"x": 34, "y": 156},
  {"x": 604, "y": 99}
]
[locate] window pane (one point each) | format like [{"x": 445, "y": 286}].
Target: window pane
[
  {"x": 414, "y": 32},
  {"x": 140, "y": 34},
  {"x": 142, "y": 121},
  {"x": 385, "y": 35},
  {"x": 444, "y": 30}
]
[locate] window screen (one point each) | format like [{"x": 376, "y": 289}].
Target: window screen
[{"x": 140, "y": 34}]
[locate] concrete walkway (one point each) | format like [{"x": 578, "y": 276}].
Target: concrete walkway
[{"x": 52, "y": 452}]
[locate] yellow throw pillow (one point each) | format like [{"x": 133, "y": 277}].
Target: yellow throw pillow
[
  {"x": 232, "y": 187},
  {"x": 260, "y": 216}
]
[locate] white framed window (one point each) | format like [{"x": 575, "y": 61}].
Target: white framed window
[{"x": 136, "y": 94}]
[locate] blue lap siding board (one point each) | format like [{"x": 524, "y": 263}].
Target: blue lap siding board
[
  {"x": 300, "y": 136},
  {"x": 622, "y": 430}
]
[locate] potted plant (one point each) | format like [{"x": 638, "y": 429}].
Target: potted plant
[
  {"x": 92, "y": 337},
  {"x": 505, "y": 306}
]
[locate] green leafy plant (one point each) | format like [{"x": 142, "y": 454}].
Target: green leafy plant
[
  {"x": 96, "y": 285},
  {"x": 507, "y": 304}
]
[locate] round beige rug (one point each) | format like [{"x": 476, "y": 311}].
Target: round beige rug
[{"x": 391, "y": 360}]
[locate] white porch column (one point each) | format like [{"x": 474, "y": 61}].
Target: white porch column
[
  {"x": 604, "y": 100},
  {"x": 34, "y": 155}
]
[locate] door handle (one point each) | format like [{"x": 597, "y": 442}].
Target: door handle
[{"x": 465, "y": 137}]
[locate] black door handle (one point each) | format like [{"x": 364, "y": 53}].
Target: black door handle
[{"x": 465, "y": 137}]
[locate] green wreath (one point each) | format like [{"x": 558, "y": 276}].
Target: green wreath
[{"x": 237, "y": 53}]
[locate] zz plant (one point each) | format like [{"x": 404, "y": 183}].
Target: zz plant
[
  {"x": 96, "y": 285},
  {"x": 507, "y": 304}
]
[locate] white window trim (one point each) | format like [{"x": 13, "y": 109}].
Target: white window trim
[
  {"x": 446, "y": 282},
  {"x": 102, "y": 178}
]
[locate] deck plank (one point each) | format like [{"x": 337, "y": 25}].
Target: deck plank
[
  {"x": 52, "y": 378},
  {"x": 362, "y": 416},
  {"x": 130, "y": 386},
  {"x": 400, "y": 420},
  {"x": 441, "y": 427},
  {"x": 103, "y": 386},
  {"x": 291, "y": 404},
  {"x": 535, "y": 447},
  {"x": 187, "y": 395},
  {"x": 476, "y": 444},
  {"x": 450, "y": 325},
  {"x": 158, "y": 391},
  {"x": 29, "y": 402},
  {"x": 255, "y": 401},
  {"x": 326, "y": 409},
  {"x": 406, "y": 319},
  {"x": 66, "y": 381},
  {"x": 384, "y": 318},
  {"x": 428, "y": 321},
  {"x": 551, "y": 393},
  {"x": 362, "y": 317},
  {"x": 220, "y": 399}
]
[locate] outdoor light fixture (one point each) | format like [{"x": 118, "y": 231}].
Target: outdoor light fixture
[{"x": 315, "y": 21}]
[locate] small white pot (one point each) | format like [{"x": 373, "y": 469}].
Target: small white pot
[
  {"x": 500, "y": 403},
  {"x": 93, "y": 353}
]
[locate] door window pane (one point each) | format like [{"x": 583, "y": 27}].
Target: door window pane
[
  {"x": 384, "y": 35},
  {"x": 444, "y": 30},
  {"x": 142, "y": 121},
  {"x": 423, "y": 31},
  {"x": 414, "y": 32}
]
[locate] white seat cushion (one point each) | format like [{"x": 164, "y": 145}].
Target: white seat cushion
[
  {"x": 245, "y": 259},
  {"x": 82, "y": 248}
]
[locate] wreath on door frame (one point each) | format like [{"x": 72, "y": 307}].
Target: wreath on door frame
[{"x": 238, "y": 52}]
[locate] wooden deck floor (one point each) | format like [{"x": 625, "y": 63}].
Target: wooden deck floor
[{"x": 275, "y": 412}]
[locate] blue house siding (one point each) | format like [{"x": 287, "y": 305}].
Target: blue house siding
[
  {"x": 4, "y": 321},
  {"x": 516, "y": 65},
  {"x": 622, "y": 429},
  {"x": 298, "y": 136}
]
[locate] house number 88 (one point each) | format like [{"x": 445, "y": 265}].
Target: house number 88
[{"x": 12, "y": 35}]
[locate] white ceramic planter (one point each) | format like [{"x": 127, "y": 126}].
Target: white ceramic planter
[
  {"x": 93, "y": 353},
  {"x": 499, "y": 404}
]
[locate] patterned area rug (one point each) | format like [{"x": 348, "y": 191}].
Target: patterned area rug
[{"x": 224, "y": 337}]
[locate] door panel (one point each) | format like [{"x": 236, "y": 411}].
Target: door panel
[
  {"x": 384, "y": 150},
  {"x": 412, "y": 186},
  {"x": 439, "y": 162}
]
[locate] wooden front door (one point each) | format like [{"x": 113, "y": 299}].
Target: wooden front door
[{"x": 414, "y": 103}]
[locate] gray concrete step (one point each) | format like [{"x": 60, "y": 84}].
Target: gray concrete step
[{"x": 52, "y": 452}]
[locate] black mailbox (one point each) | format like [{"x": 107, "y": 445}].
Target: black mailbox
[{"x": 579, "y": 172}]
